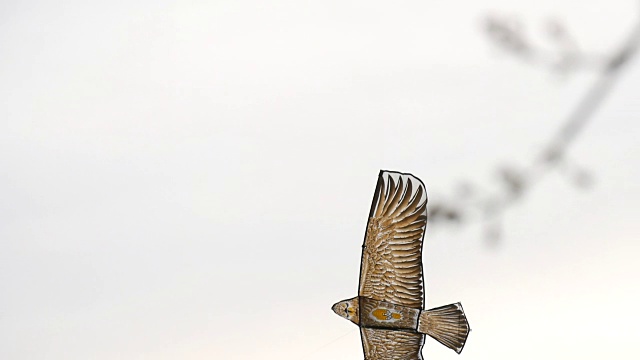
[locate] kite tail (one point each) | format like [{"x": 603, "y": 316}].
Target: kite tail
[{"x": 447, "y": 324}]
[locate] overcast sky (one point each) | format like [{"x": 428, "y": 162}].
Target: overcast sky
[{"x": 192, "y": 180}]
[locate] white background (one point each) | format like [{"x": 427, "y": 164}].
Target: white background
[{"x": 191, "y": 180}]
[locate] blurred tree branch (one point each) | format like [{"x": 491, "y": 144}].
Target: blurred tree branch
[{"x": 472, "y": 203}]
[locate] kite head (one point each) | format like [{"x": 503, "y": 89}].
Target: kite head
[{"x": 348, "y": 309}]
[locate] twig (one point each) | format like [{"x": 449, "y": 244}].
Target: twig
[{"x": 489, "y": 208}]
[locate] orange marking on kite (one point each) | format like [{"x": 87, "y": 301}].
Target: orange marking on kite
[{"x": 380, "y": 314}]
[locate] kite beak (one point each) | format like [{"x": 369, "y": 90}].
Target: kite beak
[
  {"x": 339, "y": 308},
  {"x": 335, "y": 308}
]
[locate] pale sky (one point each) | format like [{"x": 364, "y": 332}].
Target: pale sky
[{"x": 191, "y": 180}]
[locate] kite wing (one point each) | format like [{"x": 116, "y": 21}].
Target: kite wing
[
  {"x": 381, "y": 344},
  {"x": 391, "y": 267}
]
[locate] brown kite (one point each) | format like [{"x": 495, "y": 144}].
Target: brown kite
[{"x": 390, "y": 301}]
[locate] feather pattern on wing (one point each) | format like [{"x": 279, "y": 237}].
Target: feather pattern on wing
[
  {"x": 391, "y": 268},
  {"x": 381, "y": 344}
]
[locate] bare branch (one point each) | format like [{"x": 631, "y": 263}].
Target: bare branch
[{"x": 489, "y": 207}]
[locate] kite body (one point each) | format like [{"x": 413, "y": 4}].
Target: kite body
[{"x": 390, "y": 301}]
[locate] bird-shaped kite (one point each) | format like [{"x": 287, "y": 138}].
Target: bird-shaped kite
[{"x": 390, "y": 301}]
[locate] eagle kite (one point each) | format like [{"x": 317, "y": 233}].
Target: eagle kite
[{"x": 390, "y": 301}]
